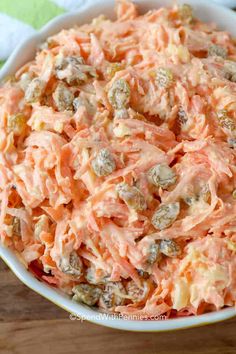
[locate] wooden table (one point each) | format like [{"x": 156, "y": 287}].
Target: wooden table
[{"x": 30, "y": 324}]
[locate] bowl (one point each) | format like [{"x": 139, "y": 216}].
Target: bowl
[{"x": 206, "y": 11}]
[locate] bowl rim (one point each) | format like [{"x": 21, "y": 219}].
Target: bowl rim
[
  {"x": 79, "y": 311},
  {"x": 55, "y": 296}
]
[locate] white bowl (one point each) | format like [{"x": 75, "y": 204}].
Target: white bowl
[{"x": 225, "y": 19}]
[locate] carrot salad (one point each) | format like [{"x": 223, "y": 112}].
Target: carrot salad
[{"x": 118, "y": 163}]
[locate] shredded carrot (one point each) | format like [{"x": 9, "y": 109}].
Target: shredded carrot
[{"x": 117, "y": 163}]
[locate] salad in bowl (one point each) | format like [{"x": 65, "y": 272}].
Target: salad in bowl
[{"x": 117, "y": 164}]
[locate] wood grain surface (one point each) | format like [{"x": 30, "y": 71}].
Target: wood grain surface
[{"x": 30, "y": 324}]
